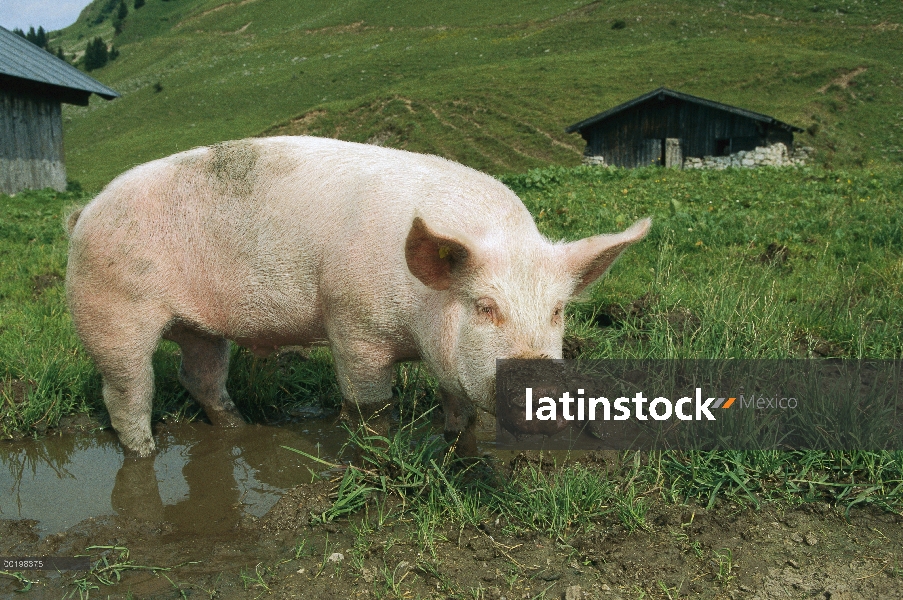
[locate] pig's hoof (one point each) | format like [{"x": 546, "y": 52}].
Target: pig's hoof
[
  {"x": 375, "y": 418},
  {"x": 141, "y": 448},
  {"x": 464, "y": 444},
  {"x": 226, "y": 418}
]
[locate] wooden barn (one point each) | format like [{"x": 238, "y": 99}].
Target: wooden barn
[
  {"x": 664, "y": 127},
  {"x": 33, "y": 86}
]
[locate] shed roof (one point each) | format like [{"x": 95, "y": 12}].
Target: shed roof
[
  {"x": 21, "y": 59},
  {"x": 662, "y": 93}
]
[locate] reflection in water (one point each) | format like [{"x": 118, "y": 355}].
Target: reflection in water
[
  {"x": 58, "y": 480},
  {"x": 203, "y": 478}
]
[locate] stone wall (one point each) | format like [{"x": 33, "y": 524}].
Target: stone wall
[
  {"x": 596, "y": 161},
  {"x": 775, "y": 155}
]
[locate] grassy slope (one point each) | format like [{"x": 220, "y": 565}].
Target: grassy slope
[{"x": 491, "y": 85}]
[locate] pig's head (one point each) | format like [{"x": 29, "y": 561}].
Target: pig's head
[{"x": 501, "y": 297}]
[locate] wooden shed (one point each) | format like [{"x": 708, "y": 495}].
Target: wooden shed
[
  {"x": 33, "y": 86},
  {"x": 663, "y": 127}
]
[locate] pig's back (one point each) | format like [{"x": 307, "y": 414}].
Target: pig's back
[
  {"x": 365, "y": 184},
  {"x": 259, "y": 235}
]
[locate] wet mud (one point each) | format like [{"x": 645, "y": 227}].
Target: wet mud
[{"x": 231, "y": 514}]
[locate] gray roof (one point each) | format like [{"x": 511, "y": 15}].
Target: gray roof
[
  {"x": 662, "y": 92},
  {"x": 20, "y": 58}
]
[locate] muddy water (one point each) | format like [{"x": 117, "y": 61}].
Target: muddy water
[
  {"x": 190, "y": 511},
  {"x": 203, "y": 478}
]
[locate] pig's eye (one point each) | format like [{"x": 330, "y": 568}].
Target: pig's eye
[
  {"x": 488, "y": 311},
  {"x": 556, "y": 315}
]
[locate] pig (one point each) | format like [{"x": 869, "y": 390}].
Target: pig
[{"x": 385, "y": 255}]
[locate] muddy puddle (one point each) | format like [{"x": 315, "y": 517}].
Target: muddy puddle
[
  {"x": 202, "y": 478},
  {"x": 227, "y": 514}
]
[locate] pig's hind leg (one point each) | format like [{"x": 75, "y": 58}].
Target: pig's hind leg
[
  {"x": 205, "y": 367},
  {"x": 121, "y": 338}
]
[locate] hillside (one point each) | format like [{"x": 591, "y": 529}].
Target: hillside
[{"x": 491, "y": 85}]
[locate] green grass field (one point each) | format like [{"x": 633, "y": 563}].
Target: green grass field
[
  {"x": 739, "y": 264},
  {"x": 772, "y": 263},
  {"x": 490, "y": 85},
  {"x": 764, "y": 263}
]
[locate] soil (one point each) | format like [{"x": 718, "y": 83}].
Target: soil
[
  {"x": 40, "y": 283},
  {"x": 807, "y": 551}
]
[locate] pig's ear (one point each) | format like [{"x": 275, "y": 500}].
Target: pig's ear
[
  {"x": 434, "y": 258},
  {"x": 590, "y": 257}
]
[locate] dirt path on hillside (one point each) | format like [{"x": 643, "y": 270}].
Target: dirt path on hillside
[{"x": 843, "y": 81}]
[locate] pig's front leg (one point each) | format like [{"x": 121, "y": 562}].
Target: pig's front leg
[
  {"x": 364, "y": 372},
  {"x": 460, "y": 424}
]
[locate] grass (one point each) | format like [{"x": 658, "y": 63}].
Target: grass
[
  {"x": 20, "y": 579},
  {"x": 850, "y": 478},
  {"x": 44, "y": 376},
  {"x": 108, "y": 569},
  {"x": 491, "y": 86},
  {"x": 748, "y": 264},
  {"x": 562, "y": 500},
  {"x": 740, "y": 264},
  {"x": 724, "y": 562}
]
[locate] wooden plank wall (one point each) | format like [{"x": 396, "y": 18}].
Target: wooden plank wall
[
  {"x": 31, "y": 143},
  {"x": 635, "y": 137}
]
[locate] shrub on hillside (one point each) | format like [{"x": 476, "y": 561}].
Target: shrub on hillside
[
  {"x": 121, "y": 13},
  {"x": 96, "y": 55},
  {"x": 105, "y": 11}
]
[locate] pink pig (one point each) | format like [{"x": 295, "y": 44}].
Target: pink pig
[{"x": 386, "y": 255}]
